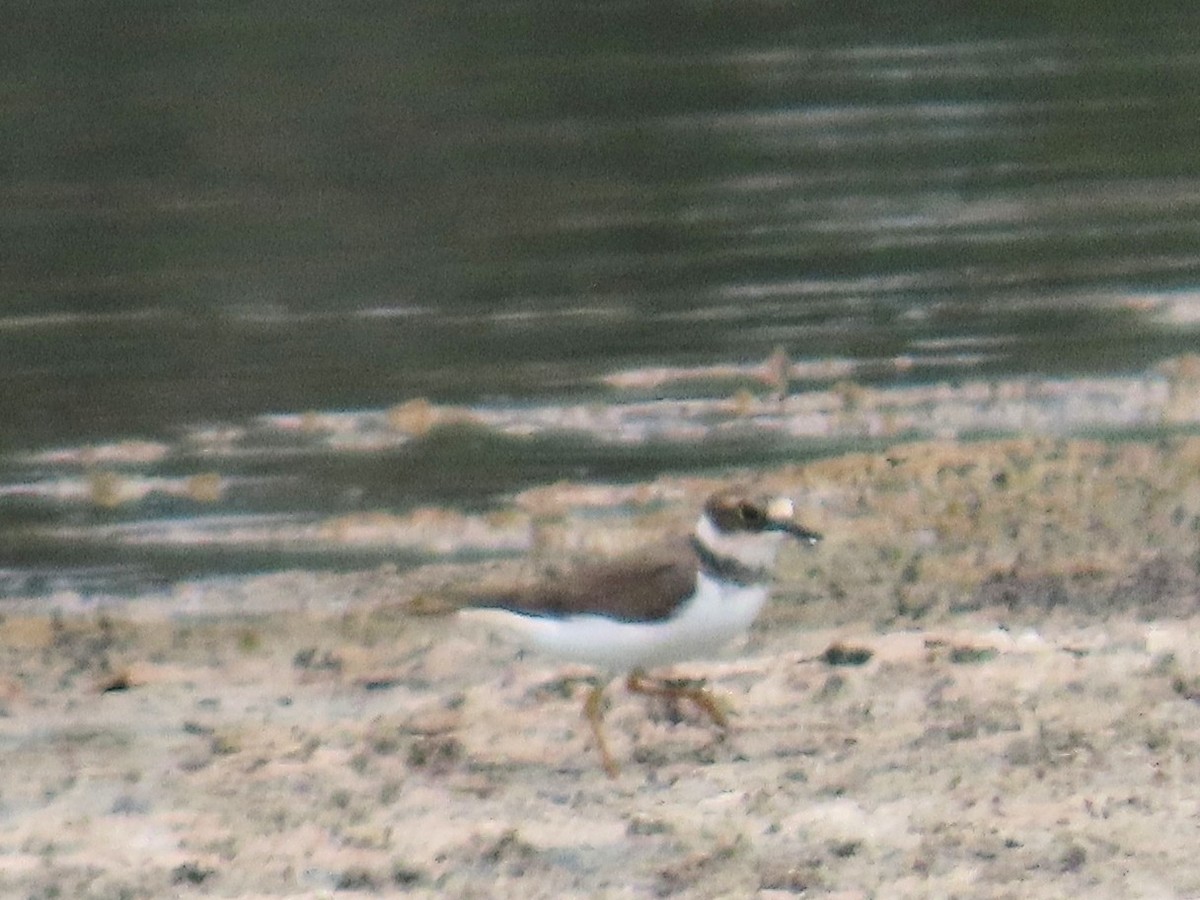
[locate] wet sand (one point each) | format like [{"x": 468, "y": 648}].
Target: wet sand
[{"x": 983, "y": 684}]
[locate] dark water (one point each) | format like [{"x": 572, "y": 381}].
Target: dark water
[{"x": 212, "y": 212}]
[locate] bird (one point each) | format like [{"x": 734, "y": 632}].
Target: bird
[{"x": 681, "y": 601}]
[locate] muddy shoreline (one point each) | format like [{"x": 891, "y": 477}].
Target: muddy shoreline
[{"x": 1019, "y": 717}]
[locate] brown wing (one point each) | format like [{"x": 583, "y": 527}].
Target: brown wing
[{"x": 632, "y": 590}]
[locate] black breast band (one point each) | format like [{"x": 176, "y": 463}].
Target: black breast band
[{"x": 727, "y": 569}]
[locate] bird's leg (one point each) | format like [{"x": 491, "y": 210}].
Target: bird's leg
[
  {"x": 638, "y": 683},
  {"x": 593, "y": 711}
]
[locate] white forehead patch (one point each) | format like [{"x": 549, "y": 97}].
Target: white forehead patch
[{"x": 780, "y": 508}]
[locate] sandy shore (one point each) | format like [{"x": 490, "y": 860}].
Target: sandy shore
[{"x": 1017, "y": 715}]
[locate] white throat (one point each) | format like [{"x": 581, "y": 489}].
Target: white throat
[{"x": 753, "y": 550}]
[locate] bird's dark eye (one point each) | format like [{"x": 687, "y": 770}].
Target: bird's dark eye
[{"x": 751, "y": 515}]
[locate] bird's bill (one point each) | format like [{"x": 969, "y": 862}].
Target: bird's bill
[
  {"x": 781, "y": 512},
  {"x": 798, "y": 531}
]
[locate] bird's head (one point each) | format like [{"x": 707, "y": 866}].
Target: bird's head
[{"x": 747, "y": 528}]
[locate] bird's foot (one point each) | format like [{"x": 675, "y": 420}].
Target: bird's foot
[
  {"x": 593, "y": 711},
  {"x": 675, "y": 689}
]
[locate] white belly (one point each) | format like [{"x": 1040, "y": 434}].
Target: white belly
[{"x": 716, "y": 614}]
